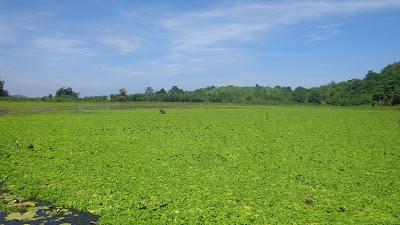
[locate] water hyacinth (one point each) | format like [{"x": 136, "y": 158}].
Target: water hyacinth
[{"x": 211, "y": 164}]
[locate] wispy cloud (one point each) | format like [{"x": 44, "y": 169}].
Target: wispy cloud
[
  {"x": 223, "y": 42},
  {"x": 123, "y": 46},
  {"x": 322, "y": 32},
  {"x": 170, "y": 65},
  {"x": 134, "y": 71},
  {"x": 61, "y": 45},
  {"x": 247, "y": 21}
]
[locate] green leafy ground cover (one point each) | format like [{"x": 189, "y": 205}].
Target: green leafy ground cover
[
  {"x": 196, "y": 165},
  {"x": 23, "y": 107}
]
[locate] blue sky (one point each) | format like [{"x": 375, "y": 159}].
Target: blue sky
[{"x": 97, "y": 47}]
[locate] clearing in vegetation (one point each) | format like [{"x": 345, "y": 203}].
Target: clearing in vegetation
[{"x": 210, "y": 164}]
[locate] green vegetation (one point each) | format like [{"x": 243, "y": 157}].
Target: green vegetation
[
  {"x": 3, "y": 93},
  {"x": 375, "y": 89},
  {"x": 66, "y": 93},
  {"x": 206, "y": 164}
]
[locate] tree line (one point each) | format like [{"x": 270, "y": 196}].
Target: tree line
[
  {"x": 381, "y": 88},
  {"x": 375, "y": 88}
]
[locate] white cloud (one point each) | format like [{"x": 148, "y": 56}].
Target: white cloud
[
  {"x": 172, "y": 64},
  {"x": 247, "y": 21},
  {"x": 322, "y": 32},
  {"x": 61, "y": 45},
  {"x": 122, "y": 45},
  {"x": 145, "y": 70}
]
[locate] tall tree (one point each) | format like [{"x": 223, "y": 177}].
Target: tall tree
[
  {"x": 122, "y": 92},
  {"x": 2, "y": 91},
  {"x": 149, "y": 91}
]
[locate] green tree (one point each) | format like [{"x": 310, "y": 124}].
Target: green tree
[
  {"x": 67, "y": 93},
  {"x": 122, "y": 92},
  {"x": 121, "y": 96},
  {"x": 381, "y": 88},
  {"x": 161, "y": 91},
  {"x": 300, "y": 94},
  {"x": 3, "y": 92},
  {"x": 175, "y": 90},
  {"x": 149, "y": 91}
]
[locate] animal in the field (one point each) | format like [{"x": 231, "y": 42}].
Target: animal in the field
[{"x": 162, "y": 111}]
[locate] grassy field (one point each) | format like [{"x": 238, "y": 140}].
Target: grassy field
[{"x": 215, "y": 164}]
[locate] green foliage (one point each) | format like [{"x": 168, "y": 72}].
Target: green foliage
[
  {"x": 161, "y": 91},
  {"x": 218, "y": 164},
  {"x": 96, "y": 98},
  {"x": 375, "y": 89},
  {"x": 226, "y": 94},
  {"x": 118, "y": 98},
  {"x": 175, "y": 90},
  {"x": 67, "y": 93},
  {"x": 122, "y": 92},
  {"x": 149, "y": 91},
  {"x": 301, "y": 94},
  {"x": 3, "y": 92},
  {"x": 122, "y": 96}
]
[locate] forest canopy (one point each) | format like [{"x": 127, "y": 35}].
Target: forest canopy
[{"x": 381, "y": 88}]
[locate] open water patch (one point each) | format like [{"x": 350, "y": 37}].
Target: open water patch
[
  {"x": 33, "y": 212},
  {"x": 3, "y": 112}
]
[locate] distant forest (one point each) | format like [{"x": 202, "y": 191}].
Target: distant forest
[{"x": 374, "y": 89}]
